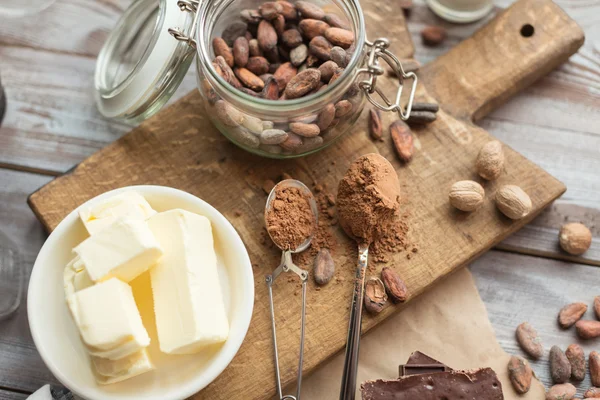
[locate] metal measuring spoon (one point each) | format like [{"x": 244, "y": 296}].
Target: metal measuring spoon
[{"x": 287, "y": 265}]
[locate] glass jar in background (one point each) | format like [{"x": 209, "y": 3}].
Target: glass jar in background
[
  {"x": 461, "y": 11},
  {"x": 2, "y": 101},
  {"x": 11, "y": 277},
  {"x": 132, "y": 88}
]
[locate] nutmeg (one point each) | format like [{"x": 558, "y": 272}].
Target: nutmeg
[
  {"x": 513, "y": 202},
  {"x": 490, "y": 160},
  {"x": 466, "y": 195},
  {"x": 575, "y": 238}
]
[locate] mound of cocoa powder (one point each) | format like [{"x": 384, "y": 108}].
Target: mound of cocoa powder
[
  {"x": 290, "y": 220},
  {"x": 368, "y": 200}
]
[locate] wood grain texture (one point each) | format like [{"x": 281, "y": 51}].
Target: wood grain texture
[
  {"x": 9, "y": 395},
  {"x": 517, "y": 288},
  {"x": 21, "y": 367},
  {"x": 169, "y": 150}
]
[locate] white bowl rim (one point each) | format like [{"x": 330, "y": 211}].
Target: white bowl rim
[{"x": 184, "y": 390}]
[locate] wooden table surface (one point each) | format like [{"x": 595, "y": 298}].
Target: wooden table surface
[{"x": 47, "y": 63}]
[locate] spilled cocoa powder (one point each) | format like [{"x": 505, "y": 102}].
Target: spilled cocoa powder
[
  {"x": 290, "y": 220},
  {"x": 368, "y": 203}
]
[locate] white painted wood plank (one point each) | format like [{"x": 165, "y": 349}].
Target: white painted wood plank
[
  {"x": 517, "y": 288},
  {"x": 21, "y": 367}
]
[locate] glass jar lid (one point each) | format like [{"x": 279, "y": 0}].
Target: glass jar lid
[{"x": 141, "y": 64}]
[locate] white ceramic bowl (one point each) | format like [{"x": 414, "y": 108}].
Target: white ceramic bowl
[{"x": 176, "y": 376}]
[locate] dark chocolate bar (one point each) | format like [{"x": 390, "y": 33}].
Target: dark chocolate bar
[{"x": 419, "y": 363}]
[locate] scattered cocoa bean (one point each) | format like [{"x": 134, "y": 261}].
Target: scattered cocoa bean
[
  {"x": 375, "y": 125},
  {"x": 311, "y": 28},
  {"x": 395, "y": 286},
  {"x": 249, "y": 79},
  {"x": 221, "y": 48},
  {"x": 292, "y": 38},
  {"x": 267, "y": 36},
  {"x": 421, "y": 117},
  {"x": 241, "y": 51},
  {"x": 288, "y": 10},
  {"x": 564, "y": 391},
  {"x": 320, "y": 48},
  {"x": 594, "y": 362},
  {"x": 588, "y": 329},
  {"x": 340, "y": 37},
  {"x": 433, "y": 35},
  {"x": 375, "y": 296},
  {"x": 431, "y": 107},
  {"x": 560, "y": 367},
  {"x": 302, "y": 83},
  {"x": 597, "y": 306},
  {"x": 576, "y": 358},
  {"x": 298, "y": 55},
  {"x": 310, "y": 10},
  {"x": 326, "y": 116},
  {"x": 324, "y": 267},
  {"x": 270, "y": 10},
  {"x": 520, "y": 374},
  {"x": 528, "y": 339},
  {"x": 570, "y": 314},
  {"x": 233, "y": 31},
  {"x": 271, "y": 89},
  {"x": 305, "y": 130},
  {"x": 592, "y": 393},
  {"x": 336, "y": 21},
  {"x": 403, "y": 140}
]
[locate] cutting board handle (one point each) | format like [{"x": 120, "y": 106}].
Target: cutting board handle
[{"x": 520, "y": 45}]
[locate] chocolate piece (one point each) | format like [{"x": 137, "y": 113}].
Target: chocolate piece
[
  {"x": 419, "y": 363},
  {"x": 481, "y": 384}
]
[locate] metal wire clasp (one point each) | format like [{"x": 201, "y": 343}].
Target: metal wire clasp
[
  {"x": 187, "y": 6},
  {"x": 377, "y": 50}
]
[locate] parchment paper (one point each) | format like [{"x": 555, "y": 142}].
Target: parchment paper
[{"x": 448, "y": 323}]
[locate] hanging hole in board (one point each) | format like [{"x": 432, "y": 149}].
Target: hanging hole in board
[{"x": 527, "y": 30}]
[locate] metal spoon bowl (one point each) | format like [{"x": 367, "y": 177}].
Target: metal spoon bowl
[{"x": 313, "y": 206}]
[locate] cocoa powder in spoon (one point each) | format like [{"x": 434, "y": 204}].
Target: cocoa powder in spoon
[
  {"x": 290, "y": 220},
  {"x": 368, "y": 199}
]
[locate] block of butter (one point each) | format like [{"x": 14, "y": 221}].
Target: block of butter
[
  {"x": 108, "y": 320},
  {"x": 124, "y": 250},
  {"x": 128, "y": 204},
  {"x": 188, "y": 302},
  {"x": 113, "y": 371}
]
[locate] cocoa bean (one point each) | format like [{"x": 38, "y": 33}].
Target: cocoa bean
[
  {"x": 375, "y": 296},
  {"x": 338, "y": 55},
  {"x": 305, "y": 130},
  {"x": 226, "y": 72},
  {"x": 336, "y": 75},
  {"x": 279, "y": 24},
  {"x": 576, "y": 358},
  {"x": 273, "y": 136},
  {"x": 309, "y": 144},
  {"x": 257, "y": 65},
  {"x": 594, "y": 362},
  {"x": 433, "y": 35},
  {"x": 324, "y": 267},
  {"x": 340, "y": 37},
  {"x": 288, "y": 10},
  {"x": 312, "y": 61},
  {"x": 241, "y": 51},
  {"x": 336, "y": 21},
  {"x": 327, "y": 70},
  {"x": 228, "y": 114},
  {"x": 528, "y": 339},
  {"x": 588, "y": 329},
  {"x": 249, "y": 92},
  {"x": 242, "y": 137},
  {"x": 564, "y": 391},
  {"x": 292, "y": 38},
  {"x": 270, "y": 10},
  {"x": 520, "y": 374},
  {"x": 570, "y": 314},
  {"x": 302, "y": 83},
  {"x": 267, "y": 36},
  {"x": 284, "y": 75},
  {"x": 233, "y": 31},
  {"x": 253, "y": 124},
  {"x": 250, "y": 16},
  {"x": 402, "y": 139},
  {"x": 292, "y": 142},
  {"x": 309, "y": 10},
  {"x": 342, "y": 107},
  {"x": 265, "y": 77},
  {"x": 421, "y": 117},
  {"x": 272, "y": 55},
  {"x": 311, "y": 28},
  {"x": 249, "y": 79},
  {"x": 592, "y": 393},
  {"x": 254, "y": 49},
  {"x": 326, "y": 116},
  {"x": 375, "y": 125},
  {"x": 271, "y": 89},
  {"x": 320, "y": 48},
  {"x": 221, "y": 48},
  {"x": 597, "y": 306},
  {"x": 248, "y": 35},
  {"x": 395, "y": 286},
  {"x": 431, "y": 107},
  {"x": 298, "y": 55},
  {"x": 560, "y": 367}
]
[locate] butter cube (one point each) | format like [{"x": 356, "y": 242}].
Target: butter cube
[
  {"x": 108, "y": 320},
  {"x": 113, "y": 371},
  {"x": 123, "y": 250},
  {"x": 188, "y": 302},
  {"x": 129, "y": 204}
]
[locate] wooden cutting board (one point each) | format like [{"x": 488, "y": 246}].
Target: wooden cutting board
[{"x": 180, "y": 148}]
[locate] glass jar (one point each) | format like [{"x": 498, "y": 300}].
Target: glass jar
[{"x": 152, "y": 46}]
